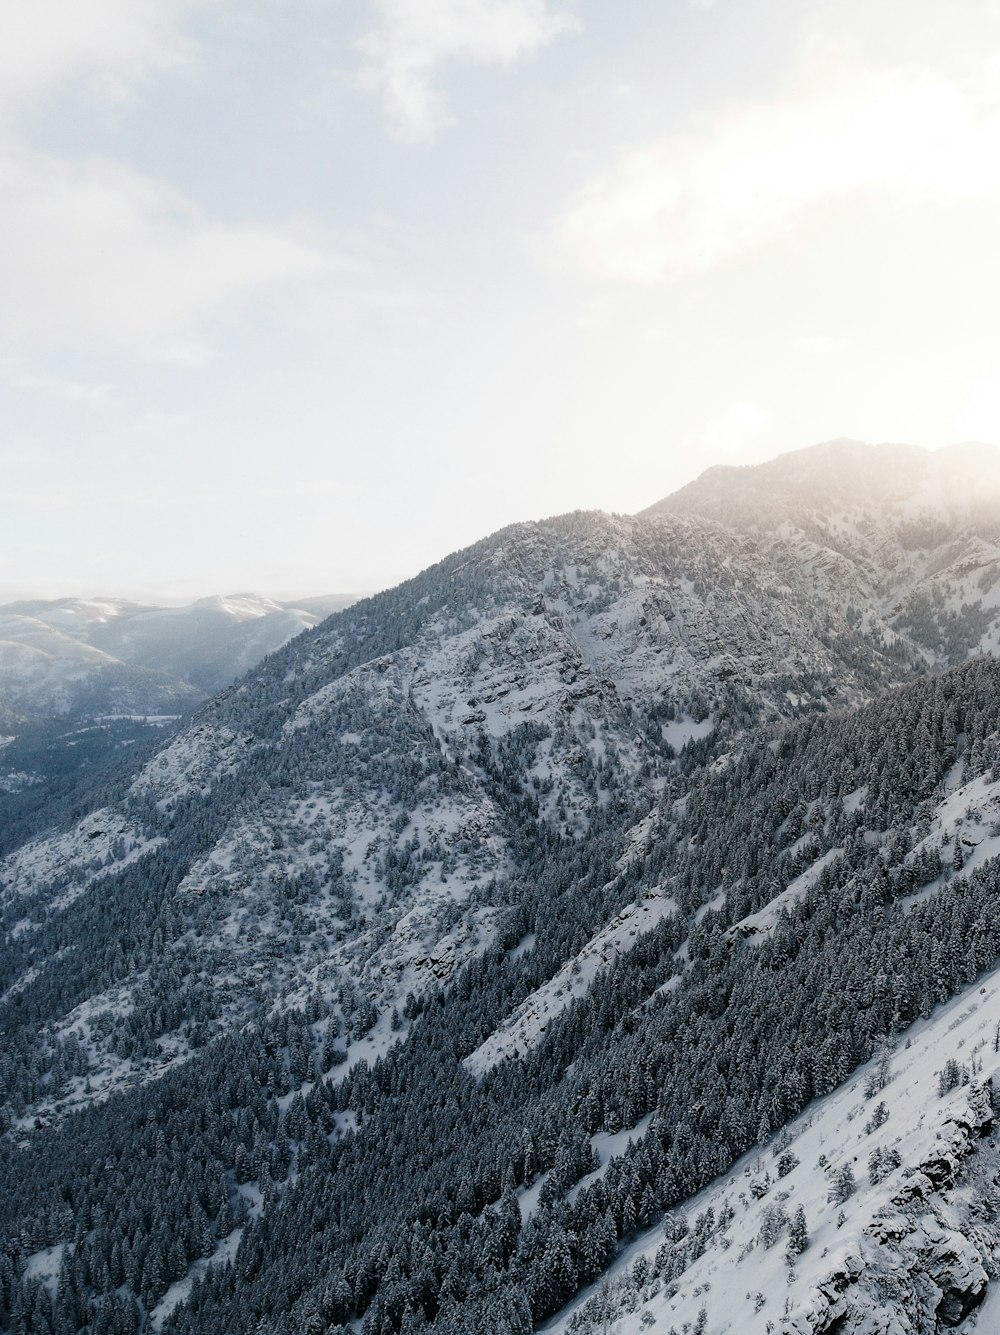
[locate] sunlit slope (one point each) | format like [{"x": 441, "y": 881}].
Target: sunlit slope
[{"x": 910, "y": 536}]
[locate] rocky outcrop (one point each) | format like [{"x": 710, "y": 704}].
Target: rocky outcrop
[{"x": 919, "y": 1269}]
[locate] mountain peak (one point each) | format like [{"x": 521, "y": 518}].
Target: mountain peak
[{"x": 846, "y": 477}]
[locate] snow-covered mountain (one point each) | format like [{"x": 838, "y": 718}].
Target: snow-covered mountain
[
  {"x": 895, "y": 1171},
  {"x": 359, "y": 767},
  {"x": 911, "y": 536},
  {"x": 46, "y": 672},
  {"x": 605, "y": 829},
  {"x": 108, "y": 655},
  {"x": 88, "y": 687},
  {"x": 831, "y": 484}
]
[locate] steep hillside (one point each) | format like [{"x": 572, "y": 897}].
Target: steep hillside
[
  {"x": 351, "y": 1168},
  {"x": 473, "y": 930},
  {"x": 350, "y": 809},
  {"x": 879, "y": 1205},
  {"x": 89, "y": 687}
]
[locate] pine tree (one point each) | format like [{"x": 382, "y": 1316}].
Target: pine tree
[{"x": 798, "y": 1235}]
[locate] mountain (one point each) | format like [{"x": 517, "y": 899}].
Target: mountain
[
  {"x": 89, "y": 687},
  {"x": 107, "y": 655},
  {"x": 912, "y": 536},
  {"x": 830, "y": 485},
  {"x": 607, "y": 838},
  {"x": 46, "y": 672}
]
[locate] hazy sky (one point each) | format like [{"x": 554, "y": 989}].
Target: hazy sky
[{"x": 300, "y": 295}]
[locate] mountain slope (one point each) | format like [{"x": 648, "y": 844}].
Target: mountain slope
[
  {"x": 603, "y": 828},
  {"x": 354, "y": 778},
  {"x": 956, "y": 485},
  {"x": 896, "y": 1177},
  {"x": 46, "y": 672},
  {"x": 913, "y": 535}
]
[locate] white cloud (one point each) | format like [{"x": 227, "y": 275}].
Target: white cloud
[
  {"x": 98, "y": 254},
  {"x": 94, "y": 252},
  {"x": 405, "y": 51},
  {"x": 735, "y": 435},
  {"x": 14, "y": 373},
  {"x": 108, "y": 46},
  {"x": 818, "y": 345},
  {"x": 692, "y": 202},
  {"x": 979, "y": 417}
]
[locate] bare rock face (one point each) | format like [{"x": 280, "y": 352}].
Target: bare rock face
[
  {"x": 919, "y": 1269},
  {"x": 956, "y": 1267},
  {"x": 830, "y": 1303}
]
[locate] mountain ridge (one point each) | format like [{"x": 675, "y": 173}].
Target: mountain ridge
[
  {"x": 582, "y": 835},
  {"x": 52, "y": 651},
  {"x": 842, "y": 474}
]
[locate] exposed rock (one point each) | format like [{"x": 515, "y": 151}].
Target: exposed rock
[{"x": 921, "y": 1273}]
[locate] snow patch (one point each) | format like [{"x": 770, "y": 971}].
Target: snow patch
[{"x": 522, "y": 1030}]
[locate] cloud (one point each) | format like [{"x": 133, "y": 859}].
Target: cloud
[
  {"x": 735, "y": 435},
  {"x": 411, "y": 42},
  {"x": 979, "y": 418},
  {"x": 107, "y": 46},
  {"x": 18, "y": 376},
  {"x": 96, "y": 253},
  {"x": 818, "y": 345},
  {"x": 751, "y": 175}
]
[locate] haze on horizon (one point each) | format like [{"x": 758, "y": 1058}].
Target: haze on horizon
[{"x": 297, "y": 297}]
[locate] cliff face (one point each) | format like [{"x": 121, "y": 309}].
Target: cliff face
[{"x": 918, "y": 1266}]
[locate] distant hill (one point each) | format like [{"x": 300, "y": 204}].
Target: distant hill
[
  {"x": 843, "y": 480},
  {"x": 74, "y": 656}
]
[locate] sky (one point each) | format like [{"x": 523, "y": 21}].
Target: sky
[{"x": 298, "y": 296}]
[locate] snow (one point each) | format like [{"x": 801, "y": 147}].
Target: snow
[
  {"x": 765, "y": 919},
  {"x": 102, "y": 843},
  {"x": 522, "y": 1030},
  {"x": 854, "y": 801},
  {"x": 527, "y": 1197},
  {"x": 45, "y": 1265},
  {"x": 194, "y": 759},
  {"x": 711, "y": 906},
  {"x": 640, "y": 838},
  {"x": 986, "y": 1318},
  {"x": 683, "y": 730},
  {"x": 969, "y": 813},
  {"x": 224, "y": 1253},
  {"x": 609, "y": 1145},
  {"x": 376, "y": 1043},
  {"x": 526, "y": 944},
  {"x": 159, "y": 720},
  {"x": 920, "y": 1126}
]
